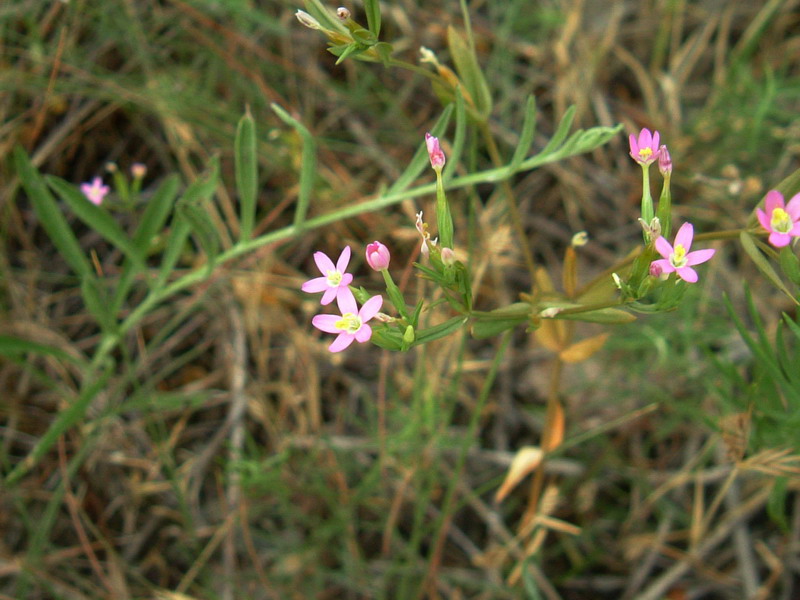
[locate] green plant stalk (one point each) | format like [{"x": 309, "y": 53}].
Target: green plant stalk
[
  {"x": 444, "y": 219},
  {"x": 395, "y": 295},
  {"x": 647, "y": 199},
  {"x": 664, "y": 212}
]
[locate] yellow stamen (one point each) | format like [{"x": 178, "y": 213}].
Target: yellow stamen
[
  {"x": 334, "y": 278},
  {"x": 781, "y": 221},
  {"x": 678, "y": 257},
  {"x": 645, "y": 153},
  {"x": 349, "y": 322}
]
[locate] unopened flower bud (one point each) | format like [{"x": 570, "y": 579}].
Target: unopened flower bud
[
  {"x": 664, "y": 162},
  {"x": 448, "y": 257},
  {"x": 378, "y": 256},
  {"x": 434, "y": 152},
  {"x": 138, "y": 170},
  {"x": 111, "y": 167},
  {"x": 617, "y": 280},
  {"x": 549, "y": 313},
  {"x": 580, "y": 239},
  {"x": 307, "y": 20},
  {"x": 427, "y": 56},
  {"x": 343, "y": 13},
  {"x": 409, "y": 335},
  {"x": 655, "y": 269}
]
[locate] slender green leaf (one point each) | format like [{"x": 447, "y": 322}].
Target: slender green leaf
[
  {"x": 748, "y": 244},
  {"x": 561, "y": 132},
  {"x": 200, "y": 223},
  {"x": 74, "y": 413},
  {"x": 526, "y": 137},
  {"x": 246, "y": 173},
  {"x": 49, "y": 214},
  {"x": 439, "y": 331},
  {"x": 155, "y": 215},
  {"x": 13, "y": 346},
  {"x": 308, "y": 167},
  {"x": 97, "y": 302},
  {"x": 325, "y": 18},
  {"x": 459, "y": 138},
  {"x": 790, "y": 264},
  {"x": 470, "y": 72},
  {"x": 97, "y": 218},
  {"x": 373, "y": 10}
]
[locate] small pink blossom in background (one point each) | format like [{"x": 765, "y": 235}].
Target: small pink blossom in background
[
  {"x": 334, "y": 280},
  {"x": 645, "y": 149},
  {"x": 678, "y": 258},
  {"x": 352, "y": 324},
  {"x": 378, "y": 256},
  {"x": 434, "y": 152},
  {"x": 138, "y": 170},
  {"x": 782, "y": 221},
  {"x": 664, "y": 161},
  {"x": 95, "y": 191}
]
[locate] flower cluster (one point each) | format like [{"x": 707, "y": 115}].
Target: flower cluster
[{"x": 351, "y": 324}]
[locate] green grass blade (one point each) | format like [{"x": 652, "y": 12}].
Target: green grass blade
[
  {"x": 246, "y": 173},
  {"x": 49, "y": 214},
  {"x": 68, "y": 417},
  {"x": 459, "y": 138},
  {"x": 14, "y": 346},
  {"x": 469, "y": 71},
  {"x": 308, "y": 167},
  {"x": 97, "y": 218},
  {"x": 561, "y": 132}
]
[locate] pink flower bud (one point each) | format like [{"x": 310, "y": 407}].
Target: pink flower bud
[
  {"x": 448, "y": 256},
  {"x": 655, "y": 269},
  {"x": 138, "y": 170},
  {"x": 664, "y": 161},
  {"x": 378, "y": 256},
  {"x": 434, "y": 152}
]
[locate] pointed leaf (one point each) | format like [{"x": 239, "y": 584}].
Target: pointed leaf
[
  {"x": 246, "y": 173},
  {"x": 582, "y": 350},
  {"x": 49, "y": 214},
  {"x": 749, "y": 246},
  {"x": 525, "y": 461},
  {"x": 470, "y": 72},
  {"x": 373, "y": 10}
]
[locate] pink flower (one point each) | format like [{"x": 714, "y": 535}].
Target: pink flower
[
  {"x": 664, "y": 161},
  {"x": 679, "y": 259},
  {"x": 378, "y": 256},
  {"x": 95, "y": 191},
  {"x": 434, "y": 152},
  {"x": 782, "y": 221},
  {"x": 352, "y": 324},
  {"x": 645, "y": 150},
  {"x": 334, "y": 281}
]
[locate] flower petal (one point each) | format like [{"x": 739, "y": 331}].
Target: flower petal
[
  {"x": 645, "y": 138},
  {"x": 329, "y": 295},
  {"x": 318, "y": 284},
  {"x": 663, "y": 247},
  {"x": 324, "y": 264},
  {"x": 763, "y": 219},
  {"x": 688, "y": 274},
  {"x": 370, "y": 308},
  {"x": 654, "y": 143},
  {"x": 346, "y": 301},
  {"x": 684, "y": 236},
  {"x": 342, "y": 341},
  {"x": 699, "y": 256},
  {"x": 364, "y": 333},
  {"x": 773, "y": 200},
  {"x": 634, "y": 145},
  {"x": 326, "y": 323},
  {"x": 793, "y": 207},
  {"x": 779, "y": 240},
  {"x": 344, "y": 259},
  {"x": 347, "y": 279}
]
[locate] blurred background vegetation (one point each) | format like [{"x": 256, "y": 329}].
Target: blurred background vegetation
[{"x": 229, "y": 455}]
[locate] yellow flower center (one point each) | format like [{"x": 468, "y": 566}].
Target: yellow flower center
[
  {"x": 678, "y": 257},
  {"x": 645, "y": 153},
  {"x": 781, "y": 221},
  {"x": 334, "y": 278},
  {"x": 349, "y": 322}
]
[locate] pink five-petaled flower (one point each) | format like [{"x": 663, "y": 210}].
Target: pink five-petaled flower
[
  {"x": 645, "y": 149},
  {"x": 434, "y": 152},
  {"x": 352, "y": 324},
  {"x": 678, "y": 258},
  {"x": 95, "y": 191},
  {"x": 782, "y": 222},
  {"x": 334, "y": 281},
  {"x": 378, "y": 256}
]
